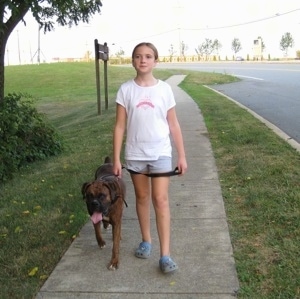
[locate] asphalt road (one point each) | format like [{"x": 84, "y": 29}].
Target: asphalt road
[{"x": 272, "y": 90}]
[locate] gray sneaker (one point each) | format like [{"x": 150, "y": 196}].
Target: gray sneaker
[{"x": 167, "y": 265}]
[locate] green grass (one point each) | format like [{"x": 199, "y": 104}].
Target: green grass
[
  {"x": 260, "y": 180},
  {"x": 41, "y": 210}
]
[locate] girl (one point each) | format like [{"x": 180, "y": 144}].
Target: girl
[{"x": 146, "y": 110}]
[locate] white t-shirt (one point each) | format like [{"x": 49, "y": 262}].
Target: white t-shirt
[{"x": 148, "y": 134}]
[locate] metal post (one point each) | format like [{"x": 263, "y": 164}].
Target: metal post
[
  {"x": 97, "y": 75},
  {"x": 105, "y": 75}
]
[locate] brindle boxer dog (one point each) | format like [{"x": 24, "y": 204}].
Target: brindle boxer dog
[{"x": 104, "y": 198}]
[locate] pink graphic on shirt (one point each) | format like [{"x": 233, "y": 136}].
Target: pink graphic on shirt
[{"x": 145, "y": 103}]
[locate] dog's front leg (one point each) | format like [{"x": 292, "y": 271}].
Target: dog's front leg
[
  {"x": 99, "y": 238},
  {"x": 116, "y": 230}
]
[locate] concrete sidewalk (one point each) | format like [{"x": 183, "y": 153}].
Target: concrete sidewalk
[{"x": 200, "y": 239}]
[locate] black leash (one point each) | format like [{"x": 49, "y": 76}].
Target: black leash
[{"x": 156, "y": 175}]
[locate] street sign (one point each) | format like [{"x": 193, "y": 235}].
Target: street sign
[{"x": 101, "y": 53}]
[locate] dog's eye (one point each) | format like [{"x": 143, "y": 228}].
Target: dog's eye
[
  {"x": 101, "y": 196},
  {"x": 91, "y": 196}
]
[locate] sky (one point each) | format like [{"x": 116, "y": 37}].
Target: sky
[{"x": 123, "y": 24}]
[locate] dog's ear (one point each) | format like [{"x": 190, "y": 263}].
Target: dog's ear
[
  {"x": 113, "y": 187},
  {"x": 107, "y": 160},
  {"x": 84, "y": 188}
]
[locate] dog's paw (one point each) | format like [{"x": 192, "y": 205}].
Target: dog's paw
[
  {"x": 113, "y": 266},
  {"x": 101, "y": 244},
  {"x": 106, "y": 225}
]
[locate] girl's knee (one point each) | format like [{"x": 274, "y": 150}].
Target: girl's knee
[
  {"x": 160, "y": 202},
  {"x": 142, "y": 195}
]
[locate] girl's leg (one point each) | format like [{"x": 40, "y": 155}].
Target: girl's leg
[
  {"x": 160, "y": 199},
  {"x": 141, "y": 185}
]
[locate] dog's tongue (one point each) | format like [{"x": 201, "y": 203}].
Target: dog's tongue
[{"x": 96, "y": 217}]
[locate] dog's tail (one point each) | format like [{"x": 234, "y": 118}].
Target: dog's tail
[{"x": 107, "y": 160}]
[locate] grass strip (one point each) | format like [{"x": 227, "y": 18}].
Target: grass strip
[{"x": 260, "y": 180}]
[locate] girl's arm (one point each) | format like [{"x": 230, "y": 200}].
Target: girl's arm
[
  {"x": 119, "y": 130},
  {"x": 175, "y": 131}
]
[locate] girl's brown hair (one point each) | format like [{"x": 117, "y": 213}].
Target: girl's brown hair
[{"x": 151, "y": 46}]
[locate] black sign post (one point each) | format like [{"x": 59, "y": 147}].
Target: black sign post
[{"x": 101, "y": 52}]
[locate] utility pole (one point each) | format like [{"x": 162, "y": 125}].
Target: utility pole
[
  {"x": 39, "y": 46},
  {"x": 178, "y": 12},
  {"x": 179, "y": 35},
  {"x": 19, "y": 47},
  {"x": 7, "y": 56},
  {"x": 38, "y": 51}
]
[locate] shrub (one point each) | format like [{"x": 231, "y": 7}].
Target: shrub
[{"x": 25, "y": 135}]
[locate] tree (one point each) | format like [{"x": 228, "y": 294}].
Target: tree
[
  {"x": 286, "y": 42},
  {"x": 172, "y": 51},
  {"x": 46, "y": 13},
  {"x": 217, "y": 46},
  {"x": 200, "y": 50},
  {"x": 120, "y": 52},
  {"x": 208, "y": 47},
  {"x": 236, "y": 45},
  {"x": 183, "y": 48}
]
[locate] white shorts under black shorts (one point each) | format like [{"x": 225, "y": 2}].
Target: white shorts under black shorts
[{"x": 163, "y": 164}]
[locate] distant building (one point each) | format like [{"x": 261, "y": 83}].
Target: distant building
[{"x": 257, "y": 49}]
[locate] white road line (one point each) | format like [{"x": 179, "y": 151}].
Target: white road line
[{"x": 254, "y": 78}]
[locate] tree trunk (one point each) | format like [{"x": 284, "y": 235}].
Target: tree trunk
[
  {"x": 3, "y": 41},
  {"x": 5, "y": 31}
]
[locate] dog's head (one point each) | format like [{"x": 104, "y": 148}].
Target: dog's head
[{"x": 99, "y": 195}]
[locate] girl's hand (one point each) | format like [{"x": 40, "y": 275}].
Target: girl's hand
[
  {"x": 117, "y": 169},
  {"x": 182, "y": 165}
]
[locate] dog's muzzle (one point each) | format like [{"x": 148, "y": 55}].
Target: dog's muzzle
[{"x": 97, "y": 206}]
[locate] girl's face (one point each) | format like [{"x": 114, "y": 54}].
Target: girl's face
[{"x": 144, "y": 59}]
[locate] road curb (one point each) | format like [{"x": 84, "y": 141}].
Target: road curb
[{"x": 274, "y": 128}]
